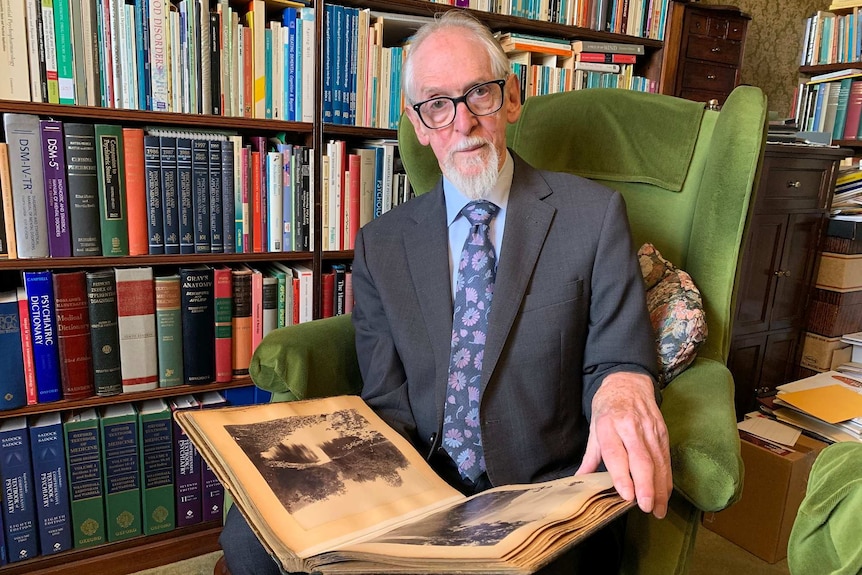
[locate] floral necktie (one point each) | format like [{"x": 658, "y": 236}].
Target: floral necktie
[{"x": 473, "y": 292}]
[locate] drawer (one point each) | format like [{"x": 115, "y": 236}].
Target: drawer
[
  {"x": 707, "y": 77},
  {"x": 704, "y": 96},
  {"x": 736, "y": 29},
  {"x": 717, "y": 27},
  {"x": 714, "y": 50},
  {"x": 793, "y": 184},
  {"x": 697, "y": 24}
]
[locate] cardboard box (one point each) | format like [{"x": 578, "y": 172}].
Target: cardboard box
[
  {"x": 840, "y": 272},
  {"x": 833, "y": 313},
  {"x": 774, "y": 485},
  {"x": 824, "y": 353}
]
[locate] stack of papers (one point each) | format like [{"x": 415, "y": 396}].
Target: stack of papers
[{"x": 828, "y": 404}]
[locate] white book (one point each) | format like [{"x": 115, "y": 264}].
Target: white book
[
  {"x": 275, "y": 200},
  {"x": 306, "y": 288},
  {"x": 136, "y": 323},
  {"x": 308, "y": 55},
  {"x": 88, "y": 53},
  {"x": 326, "y": 242},
  {"x": 277, "y": 71},
  {"x": 206, "y": 96},
  {"x": 50, "y": 45},
  {"x": 34, "y": 32},
  {"x": 159, "y": 55},
  {"x": 28, "y": 194}
]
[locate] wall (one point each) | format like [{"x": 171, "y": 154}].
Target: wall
[{"x": 773, "y": 44}]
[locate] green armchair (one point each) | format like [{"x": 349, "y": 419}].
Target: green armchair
[{"x": 687, "y": 175}]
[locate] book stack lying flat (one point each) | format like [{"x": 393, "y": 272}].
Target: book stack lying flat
[{"x": 329, "y": 488}]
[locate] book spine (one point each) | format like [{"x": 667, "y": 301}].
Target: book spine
[
  {"x": 227, "y": 197},
  {"x": 201, "y": 196},
  {"x": 187, "y": 479},
  {"x": 25, "y": 166},
  {"x": 275, "y": 201},
  {"x": 159, "y": 55},
  {"x": 198, "y": 324},
  {"x": 155, "y": 217},
  {"x": 110, "y": 164},
  {"x": 84, "y": 466},
  {"x": 170, "y": 193},
  {"x": 104, "y": 333},
  {"x": 48, "y": 34},
  {"x": 169, "y": 330},
  {"x": 19, "y": 505},
  {"x": 256, "y": 203},
  {"x": 8, "y": 250},
  {"x": 186, "y": 190},
  {"x": 65, "y": 63},
  {"x": 241, "y": 322},
  {"x": 27, "y": 347},
  {"x": 256, "y": 308},
  {"x": 158, "y": 508},
  {"x": 83, "y": 187},
  {"x": 215, "y": 24},
  {"x": 121, "y": 476},
  {"x": 40, "y": 297},
  {"x": 136, "y": 323},
  {"x": 73, "y": 329},
  {"x": 36, "y": 54},
  {"x": 223, "y": 333},
  {"x": 215, "y": 197},
  {"x": 56, "y": 198},
  {"x": 52, "y": 486},
  {"x": 136, "y": 191},
  {"x": 13, "y": 391}
]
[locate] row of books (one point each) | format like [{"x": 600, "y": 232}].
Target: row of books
[
  {"x": 92, "y": 476},
  {"x": 78, "y": 189},
  {"x": 76, "y": 334},
  {"x": 832, "y": 105},
  {"x": 643, "y": 18},
  {"x": 191, "y": 56},
  {"x": 538, "y": 80},
  {"x": 847, "y": 199},
  {"x": 831, "y": 38}
]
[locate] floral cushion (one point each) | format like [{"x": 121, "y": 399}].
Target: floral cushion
[{"x": 676, "y": 313}]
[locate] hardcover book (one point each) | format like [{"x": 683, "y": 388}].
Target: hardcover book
[
  {"x": 241, "y": 320},
  {"x": 84, "y": 466},
  {"x": 110, "y": 170},
  {"x": 136, "y": 191},
  {"x": 198, "y": 313},
  {"x": 83, "y": 183},
  {"x": 201, "y": 196},
  {"x": 153, "y": 174},
  {"x": 118, "y": 427},
  {"x": 53, "y": 514},
  {"x": 170, "y": 194},
  {"x": 73, "y": 329},
  {"x": 56, "y": 193},
  {"x": 27, "y": 346},
  {"x": 104, "y": 334},
  {"x": 13, "y": 390},
  {"x": 215, "y": 197},
  {"x": 43, "y": 331},
  {"x": 19, "y": 505},
  {"x": 158, "y": 509},
  {"x": 25, "y": 167},
  {"x": 136, "y": 323},
  {"x": 187, "y": 468},
  {"x": 212, "y": 491},
  {"x": 223, "y": 291},
  {"x": 227, "y": 196},
  {"x": 299, "y": 473},
  {"x": 185, "y": 192},
  {"x": 169, "y": 326},
  {"x": 8, "y": 246}
]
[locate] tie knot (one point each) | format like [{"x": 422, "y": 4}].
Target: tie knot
[{"x": 480, "y": 211}]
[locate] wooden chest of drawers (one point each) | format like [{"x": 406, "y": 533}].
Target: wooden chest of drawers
[{"x": 703, "y": 51}]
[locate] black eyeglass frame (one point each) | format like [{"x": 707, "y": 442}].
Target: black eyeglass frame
[{"x": 463, "y": 99}]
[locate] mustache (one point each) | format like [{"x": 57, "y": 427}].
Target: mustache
[{"x": 469, "y": 142}]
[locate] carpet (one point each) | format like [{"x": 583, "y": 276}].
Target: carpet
[{"x": 202, "y": 565}]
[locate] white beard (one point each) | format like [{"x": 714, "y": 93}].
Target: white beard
[{"x": 474, "y": 185}]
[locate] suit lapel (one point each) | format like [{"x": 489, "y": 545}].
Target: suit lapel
[{"x": 528, "y": 219}]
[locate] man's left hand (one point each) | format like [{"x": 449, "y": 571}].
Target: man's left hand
[{"x": 628, "y": 433}]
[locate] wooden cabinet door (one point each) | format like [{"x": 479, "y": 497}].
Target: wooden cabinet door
[
  {"x": 759, "y": 363},
  {"x": 762, "y": 257},
  {"x": 795, "y": 272}
]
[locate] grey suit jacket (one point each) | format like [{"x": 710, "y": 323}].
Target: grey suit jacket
[{"x": 569, "y": 309}]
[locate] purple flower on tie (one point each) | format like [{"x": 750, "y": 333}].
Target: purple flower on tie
[
  {"x": 453, "y": 438},
  {"x": 489, "y": 291},
  {"x": 479, "y": 260},
  {"x": 473, "y": 396},
  {"x": 477, "y": 359},
  {"x": 478, "y": 337},
  {"x": 466, "y": 459},
  {"x": 461, "y": 358},
  {"x": 456, "y": 338},
  {"x": 471, "y": 295},
  {"x": 457, "y": 380},
  {"x": 476, "y": 239},
  {"x": 470, "y": 317},
  {"x": 472, "y": 418}
]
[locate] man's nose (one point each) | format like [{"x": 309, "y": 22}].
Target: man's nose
[{"x": 465, "y": 119}]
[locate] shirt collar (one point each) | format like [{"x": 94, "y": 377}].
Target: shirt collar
[{"x": 455, "y": 200}]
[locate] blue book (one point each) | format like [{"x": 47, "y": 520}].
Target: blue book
[
  {"x": 19, "y": 505},
  {"x": 170, "y": 194},
  {"x": 215, "y": 197},
  {"x": 43, "y": 331},
  {"x": 329, "y": 57},
  {"x": 187, "y": 469},
  {"x": 3, "y": 559},
  {"x": 186, "y": 190},
  {"x": 287, "y": 197},
  {"x": 288, "y": 19},
  {"x": 267, "y": 58},
  {"x": 53, "y": 513},
  {"x": 348, "y": 106},
  {"x": 228, "y": 208},
  {"x": 201, "y": 195},
  {"x": 338, "y": 52},
  {"x": 13, "y": 393},
  {"x": 153, "y": 178},
  {"x": 142, "y": 32},
  {"x": 378, "y": 181}
]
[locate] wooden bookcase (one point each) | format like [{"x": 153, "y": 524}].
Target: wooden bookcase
[{"x": 150, "y": 551}]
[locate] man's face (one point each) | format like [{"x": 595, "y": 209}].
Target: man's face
[{"x": 471, "y": 150}]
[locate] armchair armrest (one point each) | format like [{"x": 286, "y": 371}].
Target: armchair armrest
[
  {"x": 312, "y": 359},
  {"x": 699, "y": 412}
]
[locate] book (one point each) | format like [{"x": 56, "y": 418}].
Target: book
[
  {"x": 104, "y": 333},
  {"x": 16, "y": 477},
  {"x": 158, "y": 508},
  {"x": 73, "y": 339},
  {"x": 43, "y": 331},
  {"x": 579, "y": 46},
  {"x": 53, "y": 513},
  {"x": 198, "y": 317},
  {"x": 13, "y": 390},
  {"x": 84, "y": 466},
  {"x": 136, "y": 324},
  {"x": 83, "y": 184},
  {"x": 223, "y": 293},
  {"x": 153, "y": 176},
  {"x": 118, "y": 430},
  {"x": 215, "y": 220},
  {"x": 187, "y": 468},
  {"x": 14, "y": 66},
  {"x": 27, "y": 346},
  {"x": 212, "y": 491},
  {"x": 241, "y": 320},
  {"x": 110, "y": 170},
  {"x": 299, "y": 473},
  {"x": 25, "y": 166},
  {"x": 56, "y": 192},
  {"x": 607, "y": 57},
  {"x": 8, "y": 247},
  {"x": 136, "y": 191},
  {"x": 169, "y": 325},
  {"x": 201, "y": 196},
  {"x": 170, "y": 193}
]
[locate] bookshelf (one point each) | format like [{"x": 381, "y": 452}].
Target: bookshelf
[{"x": 149, "y": 551}]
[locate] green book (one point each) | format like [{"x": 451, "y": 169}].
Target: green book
[
  {"x": 84, "y": 464},
  {"x": 281, "y": 278},
  {"x": 121, "y": 471},
  {"x": 158, "y": 509},
  {"x": 110, "y": 169},
  {"x": 169, "y": 330},
  {"x": 65, "y": 61},
  {"x": 841, "y": 110}
]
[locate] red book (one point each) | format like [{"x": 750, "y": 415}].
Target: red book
[
  {"x": 296, "y": 300},
  {"x": 73, "y": 328},
  {"x": 256, "y": 204},
  {"x": 247, "y": 74},
  {"x": 328, "y": 294},
  {"x": 354, "y": 168},
  {"x": 606, "y": 58},
  {"x": 27, "y": 347},
  {"x": 854, "y": 111},
  {"x": 246, "y": 199},
  {"x": 241, "y": 320},
  {"x": 223, "y": 336},
  {"x": 256, "y": 308},
  {"x": 136, "y": 191}
]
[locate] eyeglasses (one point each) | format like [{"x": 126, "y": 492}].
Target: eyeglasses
[{"x": 482, "y": 100}]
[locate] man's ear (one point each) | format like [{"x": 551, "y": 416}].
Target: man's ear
[
  {"x": 512, "y": 102},
  {"x": 418, "y": 126}
]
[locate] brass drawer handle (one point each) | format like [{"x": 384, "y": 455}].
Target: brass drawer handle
[
  {"x": 710, "y": 76},
  {"x": 794, "y": 184},
  {"x": 716, "y": 50},
  {"x": 782, "y": 273}
]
